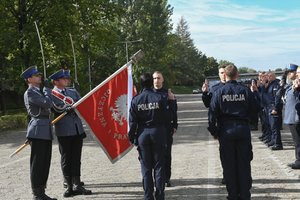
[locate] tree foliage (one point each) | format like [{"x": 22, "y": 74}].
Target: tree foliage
[{"x": 102, "y": 32}]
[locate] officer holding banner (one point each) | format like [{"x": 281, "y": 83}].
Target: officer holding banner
[
  {"x": 39, "y": 132},
  {"x": 69, "y": 132},
  {"x": 147, "y": 125}
]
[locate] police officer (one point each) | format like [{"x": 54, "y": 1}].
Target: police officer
[
  {"x": 229, "y": 115},
  {"x": 172, "y": 124},
  {"x": 39, "y": 132},
  {"x": 207, "y": 94},
  {"x": 70, "y": 134},
  {"x": 290, "y": 115},
  {"x": 147, "y": 122},
  {"x": 273, "y": 112}
]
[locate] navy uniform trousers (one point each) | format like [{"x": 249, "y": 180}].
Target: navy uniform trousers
[
  {"x": 236, "y": 151},
  {"x": 70, "y": 148},
  {"x": 40, "y": 159},
  {"x": 168, "y": 155},
  {"x": 151, "y": 147}
]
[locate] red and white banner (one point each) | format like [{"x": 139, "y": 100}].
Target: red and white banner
[{"x": 105, "y": 110}]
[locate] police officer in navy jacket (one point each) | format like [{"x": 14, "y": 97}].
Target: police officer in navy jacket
[
  {"x": 70, "y": 134},
  {"x": 273, "y": 111},
  {"x": 230, "y": 110},
  {"x": 172, "y": 124},
  {"x": 39, "y": 131},
  {"x": 147, "y": 124},
  {"x": 208, "y": 94}
]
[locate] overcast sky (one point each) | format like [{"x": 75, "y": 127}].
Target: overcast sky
[{"x": 259, "y": 34}]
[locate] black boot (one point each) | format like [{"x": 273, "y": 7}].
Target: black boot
[
  {"x": 69, "y": 191},
  {"x": 39, "y": 194},
  {"x": 77, "y": 188}
]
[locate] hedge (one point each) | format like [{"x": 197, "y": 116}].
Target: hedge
[{"x": 13, "y": 121}]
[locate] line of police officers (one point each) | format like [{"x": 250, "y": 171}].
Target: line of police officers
[
  {"x": 271, "y": 114},
  {"x": 232, "y": 107},
  {"x": 69, "y": 131}
]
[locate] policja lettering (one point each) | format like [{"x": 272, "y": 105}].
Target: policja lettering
[
  {"x": 233, "y": 97},
  {"x": 148, "y": 106}
]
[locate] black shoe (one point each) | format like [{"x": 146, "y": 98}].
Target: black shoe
[
  {"x": 223, "y": 181},
  {"x": 68, "y": 193},
  {"x": 294, "y": 166},
  {"x": 168, "y": 183},
  {"x": 43, "y": 197},
  {"x": 276, "y": 147},
  {"x": 79, "y": 190}
]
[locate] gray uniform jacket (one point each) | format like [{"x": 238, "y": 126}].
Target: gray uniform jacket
[
  {"x": 38, "y": 108},
  {"x": 290, "y": 114},
  {"x": 70, "y": 124}
]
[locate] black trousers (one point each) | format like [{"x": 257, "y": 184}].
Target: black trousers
[
  {"x": 168, "y": 156},
  {"x": 236, "y": 150},
  {"x": 40, "y": 160},
  {"x": 70, "y": 148}
]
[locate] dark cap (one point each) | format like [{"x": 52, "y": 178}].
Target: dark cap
[
  {"x": 29, "y": 72},
  {"x": 59, "y": 74},
  {"x": 292, "y": 67},
  {"x": 67, "y": 73}
]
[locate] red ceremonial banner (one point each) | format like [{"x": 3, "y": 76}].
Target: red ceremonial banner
[{"x": 105, "y": 111}]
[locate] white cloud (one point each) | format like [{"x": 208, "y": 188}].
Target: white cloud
[{"x": 245, "y": 35}]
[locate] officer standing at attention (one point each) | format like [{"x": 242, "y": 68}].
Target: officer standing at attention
[
  {"x": 171, "y": 127},
  {"x": 39, "y": 132},
  {"x": 147, "y": 125},
  {"x": 230, "y": 110},
  {"x": 273, "y": 112},
  {"x": 70, "y": 134},
  {"x": 290, "y": 114},
  {"x": 207, "y": 95}
]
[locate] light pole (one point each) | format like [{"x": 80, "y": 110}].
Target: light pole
[{"x": 126, "y": 45}]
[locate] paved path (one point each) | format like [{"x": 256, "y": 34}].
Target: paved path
[{"x": 196, "y": 166}]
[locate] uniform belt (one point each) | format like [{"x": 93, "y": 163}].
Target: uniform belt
[{"x": 235, "y": 122}]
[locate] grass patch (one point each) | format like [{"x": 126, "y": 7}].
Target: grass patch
[
  {"x": 15, "y": 121},
  {"x": 183, "y": 89}
]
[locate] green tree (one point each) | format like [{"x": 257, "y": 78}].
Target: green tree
[{"x": 246, "y": 70}]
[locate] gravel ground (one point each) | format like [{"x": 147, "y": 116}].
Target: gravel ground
[{"x": 196, "y": 167}]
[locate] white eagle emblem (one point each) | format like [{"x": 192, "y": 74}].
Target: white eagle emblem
[{"x": 119, "y": 113}]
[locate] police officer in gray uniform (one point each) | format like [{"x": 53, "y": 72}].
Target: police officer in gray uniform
[
  {"x": 147, "y": 125},
  {"x": 290, "y": 114},
  {"x": 39, "y": 132},
  {"x": 70, "y": 134},
  {"x": 230, "y": 111}
]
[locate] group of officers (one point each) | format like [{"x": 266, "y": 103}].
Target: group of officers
[
  {"x": 231, "y": 104},
  {"x": 150, "y": 129},
  {"x": 232, "y": 108},
  {"x": 40, "y": 102}
]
